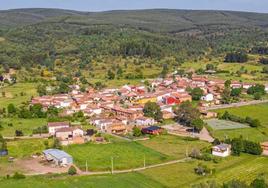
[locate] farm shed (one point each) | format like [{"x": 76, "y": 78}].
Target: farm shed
[
  {"x": 60, "y": 158},
  {"x": 154, "y": 130}
]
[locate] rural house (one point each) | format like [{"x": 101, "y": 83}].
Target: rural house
[
  {"x": 153, "y": 130},
  {"x": 222, "y": 150},
  {"x": 54, "y": 126}
]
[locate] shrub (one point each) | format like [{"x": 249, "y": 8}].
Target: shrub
[
  {"x": 202, "y": 170},
  {"x": 18, "y": 175},
  {"x": 18, "y": 133},
  {"x": 72, "y": 171},
  {"x": 136, "y": 132}
]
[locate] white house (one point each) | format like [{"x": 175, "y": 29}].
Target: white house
[
  {"x": 222, "y": 150},
  {"x": 69, "y": 133},
  {"x": 144, "y": 121},
  {"x": 208, "y": 97},
  {"x": 266, "y": 88},
  {"x": 66, "y": 103},
  {"x": 54, "y": 126}
]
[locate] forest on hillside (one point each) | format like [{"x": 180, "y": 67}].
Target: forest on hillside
[{"x": 43, "y": 37}]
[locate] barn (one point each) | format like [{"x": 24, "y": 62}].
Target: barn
[{"x": 59, "y": 157}]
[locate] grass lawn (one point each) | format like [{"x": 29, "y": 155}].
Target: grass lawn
[
  {"x": 25, "y": 125},
  {"x": 255, "y": 111},
  {"x": 131, "y": 180},
  {"x": 25, "y": 148},
  {"x": 245, "y": 168},
  {"x": 13, "y": 93},
  {"x": 20, "y": 149},
  {"x": 173, "y": 146},
  {"x": 258, "y": 135},
  {"x": 259, "y": 111},
  {"x": 126, "y": 155}
]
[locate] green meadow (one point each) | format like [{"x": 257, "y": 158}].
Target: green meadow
[
  {"x": 259, "y": 134},
  {"x": 10, "y": 125},
  {"x": 245, "y": 168},
  {"x": 17, "y": 94}
]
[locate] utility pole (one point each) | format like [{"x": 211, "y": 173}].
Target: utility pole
[
  {"x": 112, "y": 164},
  {"x": 86, "y": 166},
  {"x": 144, "y": 162}
]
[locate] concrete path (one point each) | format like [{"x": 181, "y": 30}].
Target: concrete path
[
  {"x": 136, "y": 169},
  {"x": 205, "y": 135},
  {"x": 82, "y": 173}
]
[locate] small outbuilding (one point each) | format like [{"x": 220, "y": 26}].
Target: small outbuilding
[
  {"x": 222, "y": 150},
  {"x": 264, "y": 146},
  {"x": 59, "y": 157},
  {"x": 154, "y": 130},
  {"x": 3, "y": 152}
]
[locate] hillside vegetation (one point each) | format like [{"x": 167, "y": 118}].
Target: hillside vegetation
[{"x": 53, "y": 40}]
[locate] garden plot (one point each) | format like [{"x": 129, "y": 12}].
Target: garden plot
[{"x": 217, "y": 124}]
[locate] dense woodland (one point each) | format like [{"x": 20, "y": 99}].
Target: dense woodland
[{"x": 46, "y": 39}]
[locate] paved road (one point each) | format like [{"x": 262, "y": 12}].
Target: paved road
[{"x": 236, "y": 104}]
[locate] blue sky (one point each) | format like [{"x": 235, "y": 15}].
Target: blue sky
[{"x": 101, "y": 5}]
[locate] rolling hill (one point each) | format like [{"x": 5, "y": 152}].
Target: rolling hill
[{"x": 163, "y": 20}]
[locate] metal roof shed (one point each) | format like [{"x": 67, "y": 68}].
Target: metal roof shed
[{"x": 58, "y": 156}]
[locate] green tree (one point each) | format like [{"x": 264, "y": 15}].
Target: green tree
[
  {"x": 153, "y": 110},
  {"x": 136, "y": 131},
  {"x": 197, "y": 93},
  {"x": 41, "y": 90},
  {"x": 63, "y": 88},
  {"x": 56, "y": 144},
  {"x": 72, "y": 171},
  {"x": 235, "y": 184},
  {"x": 237, "y": 146},
  {"x": 11, "y": 109},
  {"x": 258, "y": 88},
  {"x": 3, "y": 143},
  {"x": 110, "y": 75},
  {"x": 236, "y": 92},
  {"x": 198, "y": 124},
  {"x": 210, "y": 67},
  {"x": 186, "y": 113},
  {"x": 164, "y": 71},
  {"x": 259, "y": 183},
  {"x": 226, "y": 96}
]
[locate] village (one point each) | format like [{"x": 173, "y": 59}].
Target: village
[{"x": 117, "y": 111}]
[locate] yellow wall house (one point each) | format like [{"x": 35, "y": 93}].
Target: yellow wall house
[{"x": 147, "y": 99}]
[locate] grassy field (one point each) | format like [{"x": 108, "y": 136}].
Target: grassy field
[
  {"x": 256, "y": 134},
  {"x": 25, "y": 125},
  {"x": 19, "y": 149},
  {"x": 13, "y": 94},
  {"x": 131, "y": 154},
  {"x": 251, "y": 65},
  {"x": 255, "y": 111},
  {"x": 173, "y": 146},
  {"x": 245, "y": 168},
  {"x": 126, "y": 155},
  {"x": 131, "y": 180}
]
